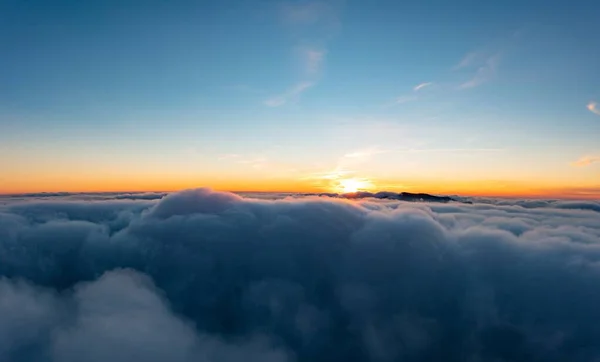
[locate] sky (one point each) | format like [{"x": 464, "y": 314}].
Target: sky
[{"x": 474, "y": 98}]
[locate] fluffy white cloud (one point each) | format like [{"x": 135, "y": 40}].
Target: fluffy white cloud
[{"x": 207, "y": 276}]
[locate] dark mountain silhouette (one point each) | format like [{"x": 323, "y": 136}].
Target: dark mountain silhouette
[{"x": 402, "y": 196}]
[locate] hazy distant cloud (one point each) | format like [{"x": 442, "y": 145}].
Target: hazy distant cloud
[
  {"x": 229, "y": 156},
  {"x": 321, "y": 14},
  {"x": 307, "y": 12},
  {"x": 291, "y": 95},
  {"x": 486, "y": 68},
  {"x": 405, "y": 99},
  {"x": 593, "y": 107},
  {"x": 312, "y": 22},
  {"x": 422, "y": 85},
  {"x": 586, "y": 160},
  {"x": 314, "y": 60},
  {"x": 244, "y": 88},
  {"x": 360, "y": 156},
  {"x": 365, "y": 153},
  {"x": 469, "y": 60},
  {"x": 583, "y": 192},
  {"x": 454, "y": 150},
  {"x": 256, "y": 163}
]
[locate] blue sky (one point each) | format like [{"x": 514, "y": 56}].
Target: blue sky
[{"x": 208, "y": 90}]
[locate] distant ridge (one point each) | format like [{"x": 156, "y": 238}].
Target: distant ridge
[{"x": 386, "y": 195}]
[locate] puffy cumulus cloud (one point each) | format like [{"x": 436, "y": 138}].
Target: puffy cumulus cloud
[
  {"x": 119, "y": 317},
  {"x": 208, "y": 276}
]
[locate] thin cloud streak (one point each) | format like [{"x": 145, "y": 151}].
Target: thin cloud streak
[
  {"x": 586, "y": 161},
  {"x": 244, "y": 88},
  {"x": 229, "y": 156},
  {"x": 323, "y": 16},
  {"x": 487, "y": 69},
  {"x": 313, "y": 59},
  {"x": 355, "y": 158},
  {"x": 405, "y": 99},
  {"x": 454, "y": 150},
  {"x": 307, "y": 13},
  {"x": 289, "y": 96},
  {"x": 349, "y": 164},
  {"x": 256, "y": 163},
  {"x": 410, "y": 97},
  {"x": 253, "y": 161},
  {"x": 422, "y": 85},
  {"x": 307, "y": 19},
  {"x": 468, "y": 60},
  {"x": 346, "y": 167},
  {"x": 594, "y": 108}
]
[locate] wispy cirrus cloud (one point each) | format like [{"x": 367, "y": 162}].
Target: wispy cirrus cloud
[
  {"x": 256, "y": 161},
  {"x": 486, "y": 68},
  {"x": 422, "y": 85},
  {"x": 229, "y": 156},
  {"x": 291, "y": 95},
  {"x": 411, "y": 97},
  {"x": 244, "y": 88},
  {"x": 303, "y": 15},
  {"x": 314, "y": 23},
  {"x": 454, "y": 150},
  {"x": 586, "y": 161},
  {"x": 405, "y": 99},
  {"x": 361, "y": 156},
  {"x": 594, "y": 108},
  {"x": 469, "y": 60},
  {"x": 312, "y": 59},
  {"x": 346, "y": 167}
]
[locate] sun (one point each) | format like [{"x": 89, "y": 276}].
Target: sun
[{"x": 350, "y": 185}]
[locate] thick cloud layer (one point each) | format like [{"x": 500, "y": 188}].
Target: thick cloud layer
[{"x": 206, "y": 276}]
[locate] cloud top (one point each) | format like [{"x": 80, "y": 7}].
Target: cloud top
[{"x": 205, "y": 275}]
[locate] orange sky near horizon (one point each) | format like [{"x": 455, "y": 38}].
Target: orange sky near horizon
[
  {"x": 114, "y": 183},
  {"x": 511, "y": 174},
  {"x": 210, "y": 95}
]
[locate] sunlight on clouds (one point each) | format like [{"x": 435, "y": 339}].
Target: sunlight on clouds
[
  {"x": 593, "y": 107},
  {"x": 342, "y": 177},
  {"x": 585, "y": 161},
  {"x": 353, "y": 185},
  {"x": 340, "y": 181}
]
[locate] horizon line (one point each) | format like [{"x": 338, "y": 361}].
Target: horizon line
[{"x": 536, "y": 196}]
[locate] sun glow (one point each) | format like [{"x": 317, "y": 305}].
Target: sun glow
[{"x": 352, "y": 185}]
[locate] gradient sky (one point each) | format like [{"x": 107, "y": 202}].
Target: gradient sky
[{"x": 467, "y": 97}]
